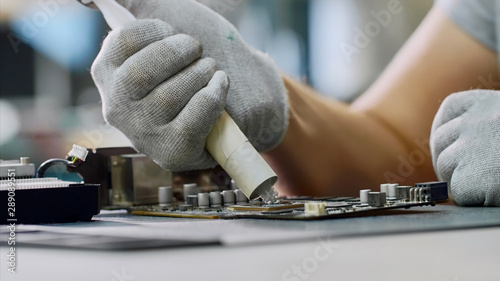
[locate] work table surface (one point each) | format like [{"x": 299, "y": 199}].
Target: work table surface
[{"x": 431, "y": 243}]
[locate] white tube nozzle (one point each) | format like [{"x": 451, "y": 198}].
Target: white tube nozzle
[
  {"x": 232, "y": 150},
  {"x": 115, "y": 14}
]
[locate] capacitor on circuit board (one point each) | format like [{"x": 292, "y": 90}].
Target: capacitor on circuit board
[{"x": 165, "y": 195}]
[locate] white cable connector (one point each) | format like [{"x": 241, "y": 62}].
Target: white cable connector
[
  {"x": 78, "y": 152},
  {"x": 315, "y": 208}
]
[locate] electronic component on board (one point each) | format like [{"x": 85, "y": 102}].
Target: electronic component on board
[
  {"x": 228, "y": 197},
  {"x": 185, "y": 197},
  {"x": 215, "y": 199},
  {"x": 32, "y": 198},
  {"x": 49, "y": 200},
  {"x": 377, "y": 199},
  {"x": 391, "y": 190},
  {"x": 305, "y": 208},
  {"x": 185, "y": 207},
  {"x": 384, "y": 187},
  {"x": 363, "y": 196},
  {"x": 190, "y": 189},
  {"x": 165, "y": 196},
  {"x": 203, "y": 200},
  {"x": 315, "y": 208},
  {"x": 75, "y": 158},
  {"x": 127, "y": 178},
  {"x": 403, "y": 192},
  {"x": 429, "y": 191},
  {"x": 22, "y": 167},
  {"x": 192, "y": 200}
]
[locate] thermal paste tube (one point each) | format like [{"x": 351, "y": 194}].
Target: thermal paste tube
[
  {"x": 227, "y": 144},
  {"x": 232, "y": 150},
  {"x": 114, "y": 14},
  {"x": 240, "y": 197}
]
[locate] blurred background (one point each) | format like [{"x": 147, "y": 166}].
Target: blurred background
[{"x": 48, "y": 100}]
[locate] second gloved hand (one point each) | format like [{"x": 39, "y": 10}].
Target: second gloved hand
[
  {"x": 160, "y": 93},
  {"x": 465, "y": 145}
]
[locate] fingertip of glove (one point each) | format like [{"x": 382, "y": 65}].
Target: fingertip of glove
[
  {"x": 220, "y": 79},
  {"x": 190, "y": 44}
]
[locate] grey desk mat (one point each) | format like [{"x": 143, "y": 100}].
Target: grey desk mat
[{"x": 251, "y": 231}]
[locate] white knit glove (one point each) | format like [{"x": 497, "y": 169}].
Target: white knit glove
[
  {"x": 133, "y": 63},
  {"x": 158, "y": 91},
  {"x": 465, "y": 145}
]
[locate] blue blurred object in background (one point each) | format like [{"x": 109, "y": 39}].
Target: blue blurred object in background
[{"x": 65, "y": 33}]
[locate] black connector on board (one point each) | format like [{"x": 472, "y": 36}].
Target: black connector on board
[{"x": 435, "y": 190}]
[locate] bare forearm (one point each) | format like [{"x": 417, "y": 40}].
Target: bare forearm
[{"x": 330, "y": 149}]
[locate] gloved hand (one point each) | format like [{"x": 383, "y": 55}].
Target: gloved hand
[
  {"x": 157, "y": 90},
  {"x": 256, "y": 100},
  {"x": 465, "y": 145}
]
